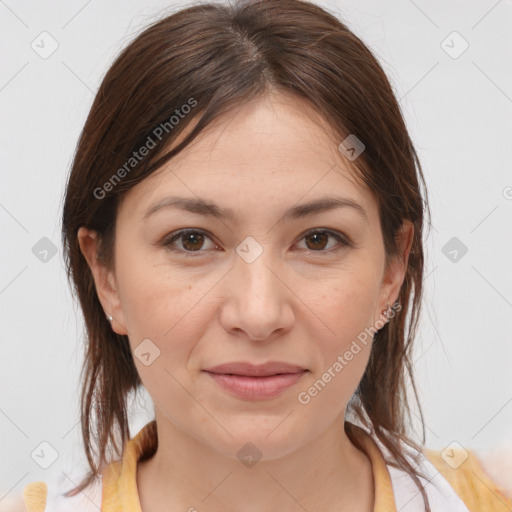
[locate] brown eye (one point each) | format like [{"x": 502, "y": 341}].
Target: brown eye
[
  {"x": 192, "y": 241},
  {"x": 189, "y": 240},
  {"x": 318, "y": 240}
]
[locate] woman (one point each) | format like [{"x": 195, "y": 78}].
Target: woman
[{"x": 243, "y": 227}]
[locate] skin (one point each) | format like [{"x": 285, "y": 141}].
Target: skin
[{"x": 300, "y": 301}]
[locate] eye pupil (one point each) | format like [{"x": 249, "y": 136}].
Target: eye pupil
[
  {"x": 192, "y": 237},
  {"x": 318, "y": 237}
]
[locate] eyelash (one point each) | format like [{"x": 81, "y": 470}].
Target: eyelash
[{"x": 168, "y": 241}]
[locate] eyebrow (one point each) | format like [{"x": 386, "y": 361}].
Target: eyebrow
[{"x": 208, "y": 208}]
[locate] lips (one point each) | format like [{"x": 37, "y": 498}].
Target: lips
[
  {"x": 251, "y": 370},
  {"x": 256, "y": 382}
]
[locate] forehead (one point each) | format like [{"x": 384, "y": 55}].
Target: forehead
[
  {"x": 273, "y": 128},
  {"x": 273, "y": 150}
]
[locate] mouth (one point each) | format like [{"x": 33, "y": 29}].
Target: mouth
[
  {"x": 253, "y": 382},
  {"x": 246, "y": 369}
]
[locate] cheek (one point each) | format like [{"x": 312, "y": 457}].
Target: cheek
[
  {"x": 345, "y": 306},
  {"x": 342, "y": 353},
  {"x": 162, "y": 312},
  {"x": 345, "y": 313},
  {"x": 154, "y": 295},
  {"x": 164, "y": 321}
]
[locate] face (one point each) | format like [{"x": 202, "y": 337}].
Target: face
[{"x": 254, "y": 286}]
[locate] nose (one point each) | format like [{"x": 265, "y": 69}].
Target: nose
[{"x": 258, "y": 299}]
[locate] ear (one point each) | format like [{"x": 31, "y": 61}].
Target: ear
[
  {"x": 104, "y": 279},
  {"x": 394, "y": 274}
]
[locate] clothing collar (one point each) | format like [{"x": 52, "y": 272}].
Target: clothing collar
[{"x": 120, "y": 493}]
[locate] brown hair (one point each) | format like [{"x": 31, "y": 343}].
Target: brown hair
[{"x": 213, "y": 57}]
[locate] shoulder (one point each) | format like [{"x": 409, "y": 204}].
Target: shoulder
[
  {"x": 454, "y": 479},
  {"x": 441, "y": 495},
  {"x": 88, "y": 500},
  {"x": 394, "y": 482},
  {"x": 472, "y": 479}
]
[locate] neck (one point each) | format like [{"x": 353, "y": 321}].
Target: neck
[{"x": 329, "y": 473}]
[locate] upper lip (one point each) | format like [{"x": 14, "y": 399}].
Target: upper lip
[{"x": 251, "y": 370}]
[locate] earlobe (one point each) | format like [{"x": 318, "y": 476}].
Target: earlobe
[{"x": 104, "y": 279}]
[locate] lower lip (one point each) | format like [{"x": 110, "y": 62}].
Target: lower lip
[{"x": 256, "y": 388}]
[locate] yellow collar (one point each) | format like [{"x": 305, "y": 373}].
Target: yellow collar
[{"x": 120, "y": 492}]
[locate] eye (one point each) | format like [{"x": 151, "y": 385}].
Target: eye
[
  {"x": 319, "y": 238},
  {"x": 191, "y": 241}
]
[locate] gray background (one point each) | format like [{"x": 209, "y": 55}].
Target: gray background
[{"x": 458, "y": 110}]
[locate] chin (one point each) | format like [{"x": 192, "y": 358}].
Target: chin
[{"x": 255, "y": 439}]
